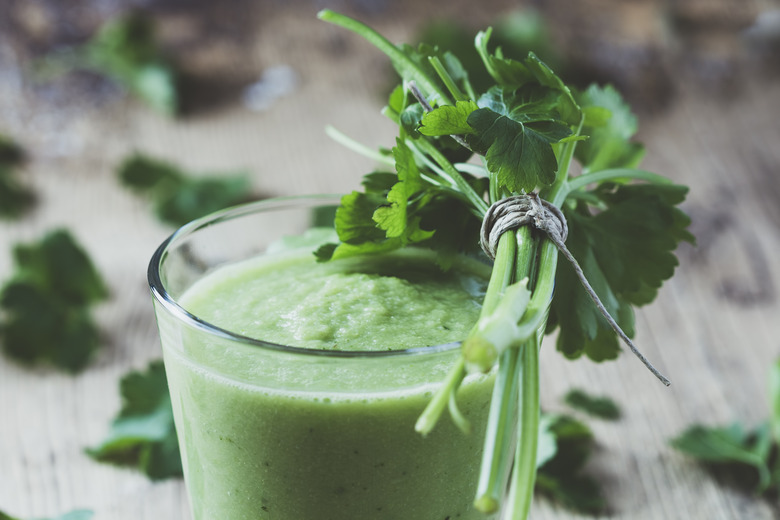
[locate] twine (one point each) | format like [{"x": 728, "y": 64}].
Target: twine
[{"x": 528, "y": 209}]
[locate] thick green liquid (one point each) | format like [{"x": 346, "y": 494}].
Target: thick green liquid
[{"x": 296, "y": 436}]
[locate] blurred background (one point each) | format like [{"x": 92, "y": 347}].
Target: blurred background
[{"x": 228, "y": 101}]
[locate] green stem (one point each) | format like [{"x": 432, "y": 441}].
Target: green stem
[
  {"x": 357, "y": 147},
  {"x": 473, "y": 169},
  {"x": 452, "y": 173},
  {"x": 615, "y": 173},
  {"x": 430, "y": 416},
  {"x": 500, "y": 434},
  {"x": 403, "y": 64},
  {"x": 447, "y": 79},
  {"x": 524, "y": 473}
]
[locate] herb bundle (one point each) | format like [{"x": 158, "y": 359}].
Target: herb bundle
[{"x": 527, "y": 129}]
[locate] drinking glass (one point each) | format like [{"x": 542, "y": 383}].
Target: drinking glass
[{"x": 269, "y": 431}]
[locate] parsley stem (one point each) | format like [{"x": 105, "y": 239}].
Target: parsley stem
[
  {"x": 452, "y": 172},
  {"x": 473, "y": 169},
  {"x": 358, "y": 147},
  {"x": 405, "y": 67},
  {"x": 430, "y": 416},
  {"x": 447, "y": 79},
  {"x": 521, "y": 489},
  {"x": 499, "y": 435},
  {"x": 616, "y": 173}
]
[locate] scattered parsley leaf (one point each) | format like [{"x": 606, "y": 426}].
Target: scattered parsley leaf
[
  {"x": 601, "y": 407},
  {"x": 46, "y": 304},
  {"x": 15, "y": 199},
  {"x": 126, "y": 50},
  {"x": 734, "y": 447},
  {"x": 143, "y": 434},
  {"x": 179, "y": 197},
  {"x": 750, "y": 457},
  {"x": 569, "y": 444},
  {"x": 79, "y": 514}
]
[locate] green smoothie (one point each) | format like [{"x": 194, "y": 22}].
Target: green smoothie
[{"x": 326, "y": 431}]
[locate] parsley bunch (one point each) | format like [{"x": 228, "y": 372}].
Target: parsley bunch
[{"x": 526, "y": 129}]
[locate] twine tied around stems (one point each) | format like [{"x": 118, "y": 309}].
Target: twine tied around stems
[{"x": 529, "y": 209}]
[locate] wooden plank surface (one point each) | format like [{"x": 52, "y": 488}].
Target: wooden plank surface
[{"x": 714, "y": 329}]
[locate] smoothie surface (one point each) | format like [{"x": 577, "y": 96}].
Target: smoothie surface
[{"x": 390, "y": 302}]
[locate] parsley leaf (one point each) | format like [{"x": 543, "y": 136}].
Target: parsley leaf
[
  {"x": 177, "y": 196},
  {"x": 15, "y": 199},
  {"x": 515, "y": 135},
  {"x": 626, "y": 251},
  {"x": 569, "y": 444},
  {"x": 79, "y": 514},
  {"x": 732, "y": 446},
  {"x": 397, "y": 210},
  {"x": 143, "y": 434},
  {"x": 449, "y": 120},
  {"x": 47, "y": 304},
  {"x": 610, "y": 129},
  {"x": 602, "y": 407},
  {"x": 126, "y": 50},
  {"x": 750, "y": 457}
]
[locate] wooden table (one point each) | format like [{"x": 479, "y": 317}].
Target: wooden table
[{"x": 714, "y": 329}]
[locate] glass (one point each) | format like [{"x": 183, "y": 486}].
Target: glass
[{"x": 284, "y": 433}]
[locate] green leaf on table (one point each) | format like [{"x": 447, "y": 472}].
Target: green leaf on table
[
  {"x": 733, "y": 447},
  {"x": 567, "y": 444},
  {"x": 610, "y": 125},
  {"x": 79, "y": 514},
  {"x": 625, "y": 245},
  {"x": 601, "y": 407},
  {"x": 143, "y": 435},
  {"x": 126, "y": 50},
  {"x": 46, "y": 304},
  {"x": 15, "y": 198},
  {"x": 179, "y": 197}
]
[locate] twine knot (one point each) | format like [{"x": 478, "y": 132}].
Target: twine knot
[
  {"x": 521, "y": 210},
  {"x": 517, "y": 211}
]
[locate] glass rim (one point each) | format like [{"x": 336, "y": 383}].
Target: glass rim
[{"x": 169, "y": 303}]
